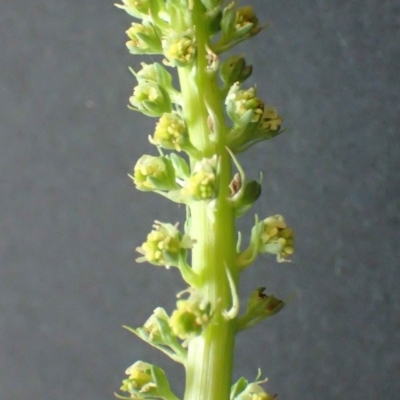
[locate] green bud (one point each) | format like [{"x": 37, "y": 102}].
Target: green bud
[
  {"x": 165, "y": 246},
  {"x": 180, "y": 49},
  {"x": 276, "y": 238},
  {"x": 243, "y": 106},
  {"x": 151, "y": 99},
  {"x": 190, "y": 316},
  {"x": 259, "y": 307},
  {"x": 234, "y": 69},
  {"x": 146, "y": 381},
  {"x": 202, "y": 185},
  {"x": 135, "y": 8},
  {"x": 154, "y": 173},
  {"x": 144, "y": 39},
  {"x": 251, "y": 193},
  {"x": 171, "y": 132}
]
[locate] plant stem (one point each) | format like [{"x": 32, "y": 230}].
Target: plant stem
[{"x": 210, "y": 356}]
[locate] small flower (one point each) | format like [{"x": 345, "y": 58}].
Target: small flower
[
  {"x": 270, "y": 120},
  {"x": 246, "y": 20},
  {"x": 144, "y": 39},
  {"x": 164, "y": 246},
  {"x": 243, "y": 390},
  {"x": 254, "y": 392},
  {"x": 202, "y": 183},
  {"x": 155, "y": 73},
  {"x": 154, "y": 173},
  {"x": 151, "y": 326},
  {"x": 243, "y": 106},
  {"x": 146, "y": 381},
  {"x": 171, "y": 132},
  {"x": 135, "y": 8},
  {"x": 151, "y": 99},
  {"x": 140, "y": 378},
  {"x": 276, "y": 238},
  {"x": 179, "y": 49},
  {"x": 190, "y": 316}
]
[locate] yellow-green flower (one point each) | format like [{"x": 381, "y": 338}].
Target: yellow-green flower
[
  {"x": 270, "y": 120},
  {"x": 164, "y": 245},
  {"x": 190, "y": 317},
  {"x": 171, "y": 132},
  {"x": 243, "y": 106},
  {"x": 180, "y": 50},
  {"x": 151, "y": 99},
  {"x": 144, "y": 39},
  {"x": 202, "y": 183},
  {"x": 276, "y": 238},
  {"x": 135, "y": 8},
  {"x": 154, "y": 173}
]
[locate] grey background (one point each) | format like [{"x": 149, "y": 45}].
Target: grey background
[{"x": 70, "y": 218}]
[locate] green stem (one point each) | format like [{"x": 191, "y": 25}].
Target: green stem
[{"x": 210, "y": 356}]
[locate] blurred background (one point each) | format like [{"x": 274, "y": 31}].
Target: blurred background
[{"x": 70, "y": 218}]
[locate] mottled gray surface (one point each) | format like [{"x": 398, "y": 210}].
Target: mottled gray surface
[{"x": 70, "y": 217}]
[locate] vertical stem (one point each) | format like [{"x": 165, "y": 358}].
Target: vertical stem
[{"x": 210, "y": 356}]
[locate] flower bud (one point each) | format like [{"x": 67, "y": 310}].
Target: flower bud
[
  {"x": 171, "y": 132},
  {"x": 276, "y": 238},
  {"x": 190, "y": 317},
  {"x": 164, "y": 246},
  {"x": 151, "y": 99},
  {"x": 202, "y": 183},
  {"x": 180, "y": 50},
  {"x": 154, "y": 173},
  {"x": 135, "y": 8},
  {"x": 234, "y": 69},
  {"x": 144, "y": 39},
  {"x": 243, "y": 106}
]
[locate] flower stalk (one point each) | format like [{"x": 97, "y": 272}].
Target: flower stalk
[{"x": 212, "y": 117}]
